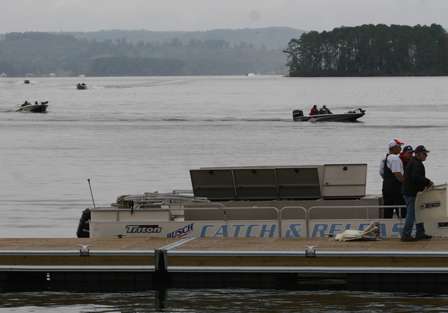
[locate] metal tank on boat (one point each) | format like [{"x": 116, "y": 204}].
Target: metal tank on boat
[{"x": 431, "y": 209}]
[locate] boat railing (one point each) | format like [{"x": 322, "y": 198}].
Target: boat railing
[
  {"x": 367, "y": 209},
  {"x": 224, "y": 209},
  {"x": 307, "y": 213},
  {"x": 298, "y": 208}
]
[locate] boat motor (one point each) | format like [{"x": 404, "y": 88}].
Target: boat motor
[
  {"x": 296, "y": 114},
  {"x": 84, "y": 225}
]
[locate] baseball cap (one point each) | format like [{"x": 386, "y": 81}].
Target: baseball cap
[
  {"x": 395, "y": 142},
  {"x": 408, "y": 148},
  {"x": 421, "y": 148}
]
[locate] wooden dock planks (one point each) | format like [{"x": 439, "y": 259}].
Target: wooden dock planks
[
  {"x": 237, "y": 253},
  {"x": 33, "y": 264}
]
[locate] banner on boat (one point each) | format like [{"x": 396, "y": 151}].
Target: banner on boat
[{"x": 290, "y": 229}]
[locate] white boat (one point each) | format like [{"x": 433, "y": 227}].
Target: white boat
[{"x": 241, "y": 202}]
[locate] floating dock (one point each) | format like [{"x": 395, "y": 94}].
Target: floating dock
[{"x": 70, "y": 264}]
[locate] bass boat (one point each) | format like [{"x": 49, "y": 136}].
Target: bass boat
[
  {"x": 81, "y": 86},
  {"x": 350, "y": 116},
  {"x": 33, "y": 108}
]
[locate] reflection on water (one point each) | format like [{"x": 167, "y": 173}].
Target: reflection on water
[{"x": 222, "y": 300}]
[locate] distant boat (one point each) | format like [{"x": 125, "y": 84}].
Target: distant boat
[
  {"x": 81, "y": 86},
  {"x": 28, "y": 107},
  {"x": 251, "y": 74},
  {"x": 3, "y": 75},
  {"x": 26, "y": 81},
  {"x": 350, "y": 116}
]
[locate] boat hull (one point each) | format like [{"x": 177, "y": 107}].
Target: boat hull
[
  {"x": 344, "y": 117},
  {"x": 33, "y": 108}
]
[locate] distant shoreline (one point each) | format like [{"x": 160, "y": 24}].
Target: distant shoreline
[
  {"x": 234, "y": 75},
  {"x": 370, "y": 50}
]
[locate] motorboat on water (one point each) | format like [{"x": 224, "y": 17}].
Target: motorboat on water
[
  {"x": 81, "y": 86},
  {"x": 350, "y": 116},
  {"x": 26, "y": 82},
  {"x": 33, "y": 107},
  {"x": 301, "y": 201}
]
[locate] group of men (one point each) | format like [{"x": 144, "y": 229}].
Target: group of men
[
  {"x": 323, "y": 110},
  {"x": 404, "y": 176}
]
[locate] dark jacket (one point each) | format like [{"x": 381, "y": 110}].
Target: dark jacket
[
  {"x": 414, "y": 178},
  {"x": 404, "y": 161}
]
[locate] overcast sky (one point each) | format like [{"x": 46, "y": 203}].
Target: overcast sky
[{"x": 88, "y": 15}]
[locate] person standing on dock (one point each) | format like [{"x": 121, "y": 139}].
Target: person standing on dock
[
  {"x": 391, "y": 170},
  {"x": 406, "y": 155},
  {"x": 415, "y": 180}
]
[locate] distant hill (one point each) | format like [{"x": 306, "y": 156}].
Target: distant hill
[
  {"x": 270, "y": 37},
  {"x": 117, "y": 52}
]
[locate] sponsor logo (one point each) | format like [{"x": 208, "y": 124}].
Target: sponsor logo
[
  {"x": 143, "y": 229},
  {"x": 181, "y": 232}
]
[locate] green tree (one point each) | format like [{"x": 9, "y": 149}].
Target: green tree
[{"x": 370, "y": 50}]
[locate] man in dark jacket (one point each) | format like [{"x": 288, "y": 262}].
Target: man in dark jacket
[{"x": 414, "y": 181}]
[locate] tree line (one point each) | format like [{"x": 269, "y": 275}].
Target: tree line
[
  {"x": 370, "y": 50},
  {"x": 65, "y": 54}
]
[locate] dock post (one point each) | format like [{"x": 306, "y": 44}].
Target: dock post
[
  {"x": 160, "y": 261},
  {"x": 162, "y": 279}
]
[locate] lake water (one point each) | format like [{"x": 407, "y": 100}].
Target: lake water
[
  {"x": 132, "y": 135},
  {"x": 242, "y": 300}
]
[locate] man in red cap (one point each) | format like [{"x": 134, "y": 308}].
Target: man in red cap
[
  {"x": 391, "y": 170},
  {"x": 406, "y": 155}
]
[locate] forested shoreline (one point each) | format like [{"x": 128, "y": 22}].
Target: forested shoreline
[
  {"x": 366, "y": 50},
  {"x": 122, "y": 53},
  {"x": 370, "y": 50}
]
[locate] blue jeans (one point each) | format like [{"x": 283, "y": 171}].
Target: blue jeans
[{"x": 410, "y": 219}]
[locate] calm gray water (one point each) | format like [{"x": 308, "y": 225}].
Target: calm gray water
[
  {"x": 131, "y": 135},
  {"x": 242, "y": 300}
]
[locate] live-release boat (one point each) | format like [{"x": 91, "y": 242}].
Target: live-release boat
[
  {"x": 350, "y": 116},
  {"x": 33, "y": 107},
  {"x": 311, "y": 201}
]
